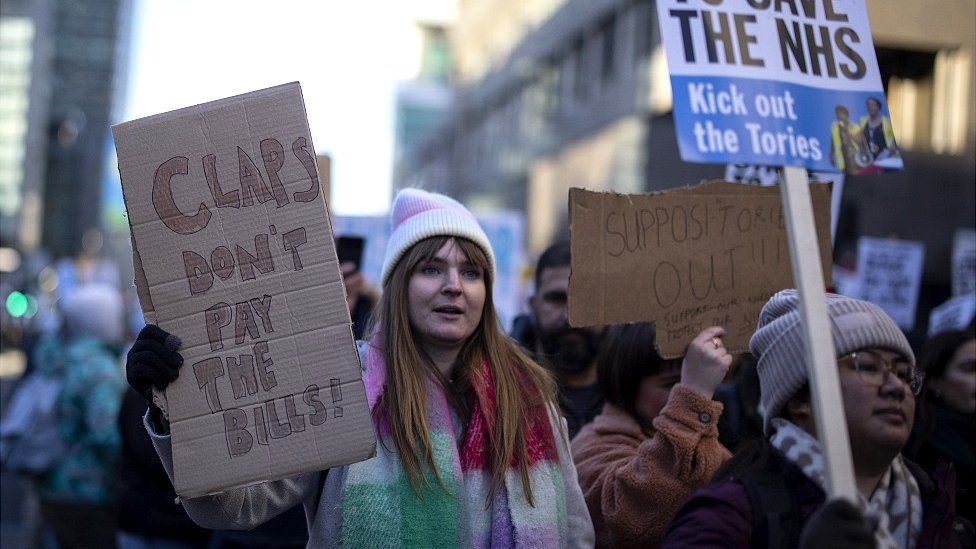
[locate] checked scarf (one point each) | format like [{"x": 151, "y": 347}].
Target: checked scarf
[{"x": 895, "y": 508}]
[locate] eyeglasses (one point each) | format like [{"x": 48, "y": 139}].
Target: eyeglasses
[{"x": 874, "y": 369}]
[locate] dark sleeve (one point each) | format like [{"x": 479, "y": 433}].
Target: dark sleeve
[
  {"x": 135, "y": 441},
  {"x": 718, "y": 515},
  {"x": 147, "y": 501},
  {"x": 361, "y": 313}
]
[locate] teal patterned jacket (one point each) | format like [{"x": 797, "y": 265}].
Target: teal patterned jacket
[{"x": 88, "y": 408}]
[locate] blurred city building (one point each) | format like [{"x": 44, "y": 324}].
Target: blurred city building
[
  {"x": 423, "y": 102},
  {"x": 62, "y": 69},
  {"x": 552, "y": 94}
]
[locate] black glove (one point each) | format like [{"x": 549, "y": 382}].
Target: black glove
[
  {"x": 153, "y": 361},
  {"x": 838, "y": 525}
]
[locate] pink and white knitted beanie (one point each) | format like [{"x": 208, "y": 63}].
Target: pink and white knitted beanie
[{"x": 418, "y": 215}]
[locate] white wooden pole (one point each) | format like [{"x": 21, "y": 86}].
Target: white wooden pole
[{"x": 828, "y": 407}]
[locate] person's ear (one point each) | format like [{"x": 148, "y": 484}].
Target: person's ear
[{"x": 532, "y": 300}]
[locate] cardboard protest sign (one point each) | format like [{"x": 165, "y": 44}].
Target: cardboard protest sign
[
  {"x": 777, "y": 83},
  {"x": 955, "y": 314},
  {"x": 685, "y": 259},
  {"x": 234, "y": 254},
  {"x": 889, "y": 274},
  {"x": 964, "y": 262}
]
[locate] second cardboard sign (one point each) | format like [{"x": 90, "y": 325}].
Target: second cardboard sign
[{"x": 684, "y": 259}]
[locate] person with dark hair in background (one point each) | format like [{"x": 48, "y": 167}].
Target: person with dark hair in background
[
  {"x": 946, "y": 429},
  {"x": 656, "y": 439},
  {"x": 741, "y": 420},
  {"x": 149, "y": 516},
  {"x": 569, "y": 353},
  {"x": 361, "y": 297},
  {"x": 773, "y": 492}
]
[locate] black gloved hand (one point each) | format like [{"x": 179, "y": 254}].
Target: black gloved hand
[
  {"x": 838, "y": 525},
  {"x": 153, "y": 361}
]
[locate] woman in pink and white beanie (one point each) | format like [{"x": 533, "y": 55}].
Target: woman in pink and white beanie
[
  {"x": 472, "y": 452},
  {"x": 472, "y": 449}
]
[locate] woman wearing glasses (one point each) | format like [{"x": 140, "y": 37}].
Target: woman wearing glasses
[{"x": 772, "y": 493}]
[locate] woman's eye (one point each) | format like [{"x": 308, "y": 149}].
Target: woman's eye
[
  {"x": 869, "y": 367},
  {"x": 472, "y": 274},
  {"x": 429, "y": 270}
]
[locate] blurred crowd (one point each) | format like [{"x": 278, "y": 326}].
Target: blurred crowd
[{"x": 695, "y": 451}]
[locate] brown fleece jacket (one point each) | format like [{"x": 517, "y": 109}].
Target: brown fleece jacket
[{"x": 633, "y": 482}]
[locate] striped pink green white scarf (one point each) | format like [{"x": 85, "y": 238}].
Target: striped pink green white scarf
[{"x": 380, "y": 509}]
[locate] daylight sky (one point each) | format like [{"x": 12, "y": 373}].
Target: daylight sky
[{"x": 347, "y": 56}]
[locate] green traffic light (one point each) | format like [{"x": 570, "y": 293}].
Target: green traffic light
[{"x": 17, "y": 304}]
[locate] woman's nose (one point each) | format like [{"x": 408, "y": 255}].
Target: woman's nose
[
  {"x": 894, "y": 385},
  {"x": 452, "y": 282}
]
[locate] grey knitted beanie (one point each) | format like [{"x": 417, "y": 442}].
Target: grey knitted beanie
[{"x": 779, "y": 348}]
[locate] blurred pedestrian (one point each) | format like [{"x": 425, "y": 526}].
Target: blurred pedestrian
[
  {"x": 656, "y": 439},
  {"x": 946, "y": 429},
  {"x": 471, "y": 450},
  {"x": 772, "y": 494},
  {"x": 79, "y": 494},
  {"x": 569, "y": 353},
  {"x": 361, "y": 297}
]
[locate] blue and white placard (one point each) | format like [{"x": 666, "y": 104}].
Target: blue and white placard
[{"x": 777, "y": 82}]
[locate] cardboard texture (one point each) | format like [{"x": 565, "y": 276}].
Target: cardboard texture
[
  {"x": 684, "y": 259},
  {"x": 234, "y": 254}
]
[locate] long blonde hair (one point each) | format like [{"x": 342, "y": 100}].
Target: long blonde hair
[{"x": 521, "y": 386}]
